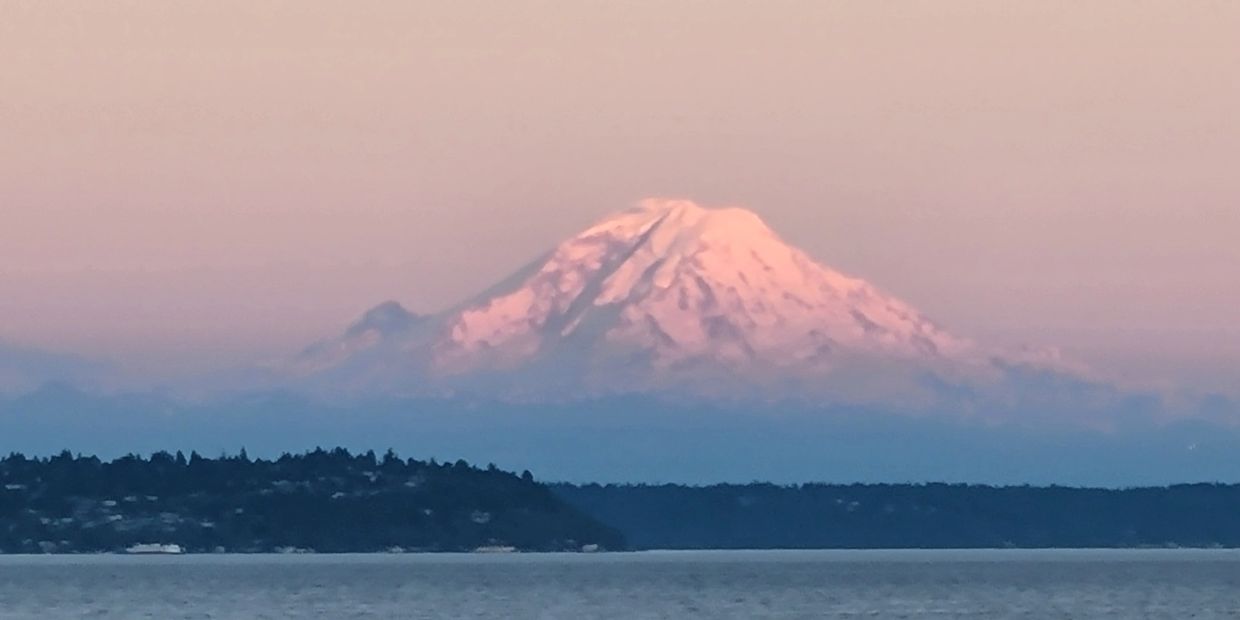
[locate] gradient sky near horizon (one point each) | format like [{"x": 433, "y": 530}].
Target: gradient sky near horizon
[{"x": 193, "y": 184}]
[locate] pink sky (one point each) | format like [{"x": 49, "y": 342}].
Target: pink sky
[{"x": 193, "y": 184}]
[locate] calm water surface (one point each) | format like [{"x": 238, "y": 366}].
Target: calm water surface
[{"x": 782, "y": 584}]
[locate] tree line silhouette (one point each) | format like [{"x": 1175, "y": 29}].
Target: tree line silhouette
[{"x": 817, "y": 516}]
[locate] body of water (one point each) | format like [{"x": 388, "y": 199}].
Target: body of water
[{"x": 674, "y": 585}]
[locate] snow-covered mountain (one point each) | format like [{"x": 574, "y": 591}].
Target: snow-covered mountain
[{"x": 664, "y": 297}]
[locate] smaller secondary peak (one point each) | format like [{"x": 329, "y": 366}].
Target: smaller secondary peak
[{"x": 385, "y": 318}]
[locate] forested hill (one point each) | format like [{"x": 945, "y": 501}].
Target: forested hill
[
  {"x": 814, "y": 516},
  {"x": 325, "y": 501}
]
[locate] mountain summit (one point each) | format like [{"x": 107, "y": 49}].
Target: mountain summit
[
  {"x": 664, "y": 297},
  {"x": 669, "y": 284}
]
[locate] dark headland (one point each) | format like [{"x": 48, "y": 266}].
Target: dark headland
[
  {"x": 320, "y": 501},
  {"x": 336, "y": 501}
]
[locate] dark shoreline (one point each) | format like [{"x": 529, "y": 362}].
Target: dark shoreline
[
  {"x": 328, "y": 502},
  {"x": 913, "y": 516}
]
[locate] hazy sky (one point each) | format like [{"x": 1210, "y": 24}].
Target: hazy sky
[{"x": 187, "y": 184}]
